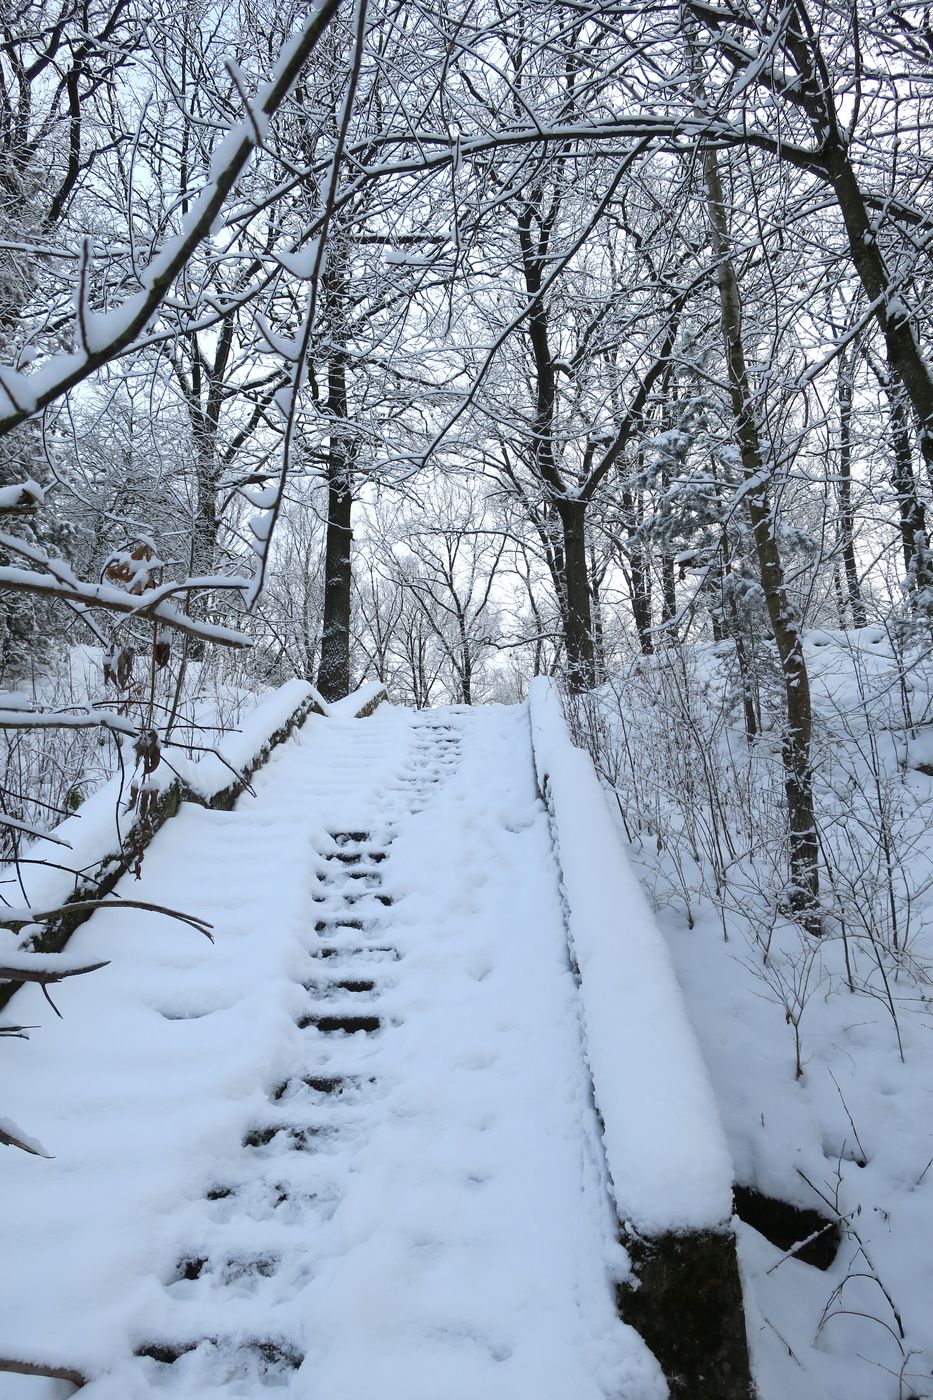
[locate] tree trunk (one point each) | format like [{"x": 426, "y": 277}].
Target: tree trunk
[
  {"x": 334, "y": 672},
  {"x": 668, "y": 593},
  {"x": 911, "y": 515},
  {"x": 599, "y": 641},
  {"x": 577, "y": 615},
  {"x": 846, "y": 516},
  {"x": 638, "y": 574},
  {"x": 798, "y": 780},
  {"x": 640, "y": 590},
  {"x": 466, "y": 662},
  {"x": 733, "y": 627}
]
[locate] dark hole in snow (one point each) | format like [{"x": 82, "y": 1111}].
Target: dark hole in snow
[
  {"x": 324, "y": 1083},
  {"x": 385, "y": 899},
  {"x": 346, "y": 838},
  {"x": 277, "y": 1353},
  {"x": 373, "y": 951},
  {"x": 785, "y": 1225},
  {"x": 321, "y": 1083},
  {"x": 165, "y": 1352},
  {"x": 189, "y": 1268},
  {"x": 260, "y": 1137},
  {"x": 274, "y": 1354},
  {"x": 347, "y": 857},
  {"x": 298, "y": 1138},
  {"x": 344, "y": 985},
  {"x": 348, "y": 1024},
  {"x": 219, "y": 1193}
]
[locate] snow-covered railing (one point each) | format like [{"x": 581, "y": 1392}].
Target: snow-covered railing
[
  {"x": 669, "y": 1164},
  {"x": 106, "y": 838}
]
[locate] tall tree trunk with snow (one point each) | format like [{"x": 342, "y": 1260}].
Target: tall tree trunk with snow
[
  {"x": 798, "y": 777},
  {"x": 637, "y": 572},
  {"x": 334, "y": 672},
  {"x": 574, "y": 591},
  {"x": 844, "y": 491},
  {"x": 577, "y": 600},
  {"x": 910, "y": 509},
  {"x": 204, "y": 388},
  {"x": 912, "y": 526}
]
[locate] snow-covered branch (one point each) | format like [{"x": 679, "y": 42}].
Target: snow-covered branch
[{"x": 108, "y": 335}]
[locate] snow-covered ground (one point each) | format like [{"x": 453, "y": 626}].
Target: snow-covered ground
[
  {"x": 350, "y": 1148},
  {"x": 852, "y": 1136}
]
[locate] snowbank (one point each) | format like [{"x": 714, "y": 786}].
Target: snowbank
[
  {"x": 258, "y": 732},
  {"x": 668, "y": 1159},
  {"x": 362, "y": 702}
]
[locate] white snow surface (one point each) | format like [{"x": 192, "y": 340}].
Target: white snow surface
[
  {"x": 668, "y": 1158},
  {"x": 96, "y": 830},
  {"x": 240, "y": 748},
  {"x": 416, "y": 1211},
  {"x": 852, "y": 1136}
]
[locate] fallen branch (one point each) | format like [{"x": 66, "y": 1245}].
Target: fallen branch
[
  {"x": 12, "y": 1135},
  {"x": 46, "y": 975},
  {"x": 16, "y": 825},
  {"x": 17, "y": 919},
  {"x": 36, "y": 1368}
]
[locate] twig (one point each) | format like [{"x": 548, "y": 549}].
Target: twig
[
  {"x": 802, "y": 1244},
  {"x": 37, "y": 1368},
  {"x": 16, "y": 825},
  {"x": 46, "y": 975},
  {"x": 10, "y": 1139},
  {"x": 21, "y": 918},
  {"x": 849, "y": 1116}
]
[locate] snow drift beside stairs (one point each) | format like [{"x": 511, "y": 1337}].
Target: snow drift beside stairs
[{"x": 670, "y": 1165}]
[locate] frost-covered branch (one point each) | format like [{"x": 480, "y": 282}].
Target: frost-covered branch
[{"x": 108, "y": 335}]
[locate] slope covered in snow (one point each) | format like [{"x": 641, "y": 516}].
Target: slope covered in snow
[{"x": 819, "y": 1049}]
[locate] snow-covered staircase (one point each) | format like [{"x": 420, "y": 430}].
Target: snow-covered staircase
[{"x": 351, "y": 1150}]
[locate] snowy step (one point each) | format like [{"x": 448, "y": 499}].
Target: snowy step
[
  {"x": 366, "y": 952},
  {"x": 339, "y": 1085},
  {"x": 345, "y": 984},
  {"x": 337, "y": 1022}
]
